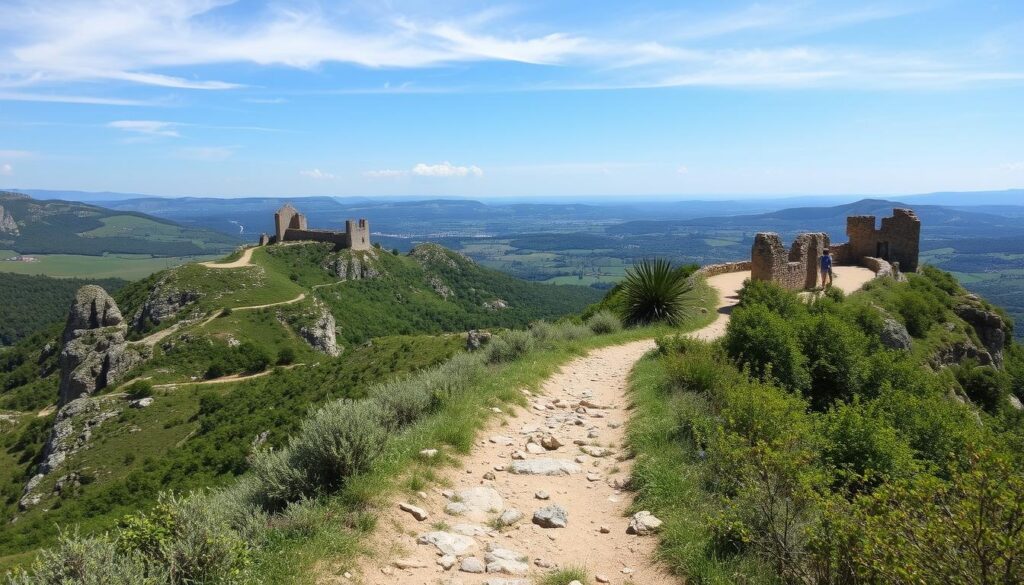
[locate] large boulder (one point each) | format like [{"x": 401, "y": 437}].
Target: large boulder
[
  {"x": 7, "y": 224},
  {"x": 894, "y": 335}
]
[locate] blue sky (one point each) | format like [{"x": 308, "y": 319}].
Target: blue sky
[{"x": 388, "y": 97}]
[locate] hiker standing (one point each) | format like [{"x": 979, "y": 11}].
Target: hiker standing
[{"x": 826, "y": 267}]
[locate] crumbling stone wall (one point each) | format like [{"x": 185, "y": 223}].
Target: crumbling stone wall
[
  {"x": 796, "y": 269},
  {"x": 898, "y": 239},
  {"x": 725, "y": 268}
]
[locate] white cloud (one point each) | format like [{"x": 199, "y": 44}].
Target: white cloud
[
  {"x": 147, "y": 127},
  {"x": 207, "y": 153},
  {"x": 446, "y": 169},
  {"x": 682, "y": 170},
  {"x": 1013, "y": 166},
  {"x": 6, "y": 169},
  {"x": 316, "y": 174}
]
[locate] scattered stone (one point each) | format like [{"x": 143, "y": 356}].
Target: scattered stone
[
  {"x": 449, "y": 543},
  {"x": 595, "y": 451},
  {"x": 593, "y": 434},
  {"x": 501, "y": 440},
  {"x": 553, "y": 516},
  {"x": 518, "y": 456},
  {"x": 476, "y": 504},
  {"x": 510, "y": 517},
  {"x": 614, "y": 425},
  {"x": 550, "y": 442},
  {"x": 417, "y": 512},
  {"x": 469, "y": 529},
  {"x": 605, "y": 530},
  {"x": 591, "y": 404},
  {"x": 643, "y": 523},
  {"x": 534, "y": 449},
  {"x": 542, "y": 563},
  {"x": 593, "y": 477},
  {"x": 602, "y": 578},
  {"x": 410, "y": 564},
  {"x": 542, "y": 495},
  {"x": 509, "y": 562},
  {"x": 472, "y": 565},
  {"x": 428, "y": 453},
  {"x": 446, "y": 561},
  {"x": 141, "y": 402},
  {"x": 544, "y": 467},
  {"x": 489, "y": 476}
]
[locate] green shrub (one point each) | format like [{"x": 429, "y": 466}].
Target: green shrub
[
  {"x": 984, "y": 385},
  {"x": 401, "y": 401},
  {"x": 771, "y": 296},
  {"x": 655, "y": 290},
  {"x": 766, "y": 343},
  {"x": 604, "y": 322},
  {"x": 139, "y": 389},
  {"x": 342, "y": 439},
  {"x": 286, "y": 356},
  {"x": 835, "y": 351},
  {"x": 570, "y": 332},
  {"x": 454, "y": 378},
  {"x": 864, "y": 449},
  {"x": 216, "y": 370},
  {"x": 89, "y": 561},
  {"x": 509, "y": 346},
  {"x": 700, "y": 368}
]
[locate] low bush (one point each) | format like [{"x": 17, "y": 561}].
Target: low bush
[
  {"x": 402, "y": 401},
  {"x": 656, "y": 291},
  {"x": 509, "y": 346},
  {"x": 139, "y": 389},
  {"x": 604, "y": 322},
  {"x": 80, "y": 560},
  {"x": 286, "y": 356}
]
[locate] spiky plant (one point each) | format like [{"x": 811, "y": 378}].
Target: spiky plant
[{"x": 655, "y": 290}]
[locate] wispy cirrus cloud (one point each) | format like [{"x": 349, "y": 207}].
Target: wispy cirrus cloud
[
  {"x": 147, "y": 128},
  {"x": 176, "y": 44}
]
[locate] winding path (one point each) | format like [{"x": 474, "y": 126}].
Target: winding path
[
  {"x": 244, "y": 260},
  {"x": 592, "y": 441}
]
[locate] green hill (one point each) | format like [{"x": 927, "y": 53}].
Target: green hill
[
  {"x": 31, "y": 302},
  {"x": 237, "y": 355},
  {"x": 29, "y": 226}
]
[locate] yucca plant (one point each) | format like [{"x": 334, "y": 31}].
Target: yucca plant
[{"x": 655, "y": 290}]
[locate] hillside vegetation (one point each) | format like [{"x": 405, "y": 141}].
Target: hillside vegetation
[
  {"x": 65, "y": 227},
  {"x": 234, "y": 360},
  {"x": 819, "y": 443}
]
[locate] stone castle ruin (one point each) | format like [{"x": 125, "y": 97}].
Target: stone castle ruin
[
  {"x": 291, "y": 226},
  {"x": 893, "y": 248}
]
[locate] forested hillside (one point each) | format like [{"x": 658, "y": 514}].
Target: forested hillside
[
  {"x": 29, "y": 303},
  {"x": 29, "y": 226}
]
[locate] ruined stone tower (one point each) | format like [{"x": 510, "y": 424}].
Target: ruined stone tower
[{"x": 898, "y": 240}]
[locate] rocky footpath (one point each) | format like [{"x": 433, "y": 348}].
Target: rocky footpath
[
  {"x": 543, "y": 490},
  {"x": 93, "y": 356}
]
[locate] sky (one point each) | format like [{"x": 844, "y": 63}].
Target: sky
[{"x": 538, "y": 99}]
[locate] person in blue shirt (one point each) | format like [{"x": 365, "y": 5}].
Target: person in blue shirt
[{"x": 826, "y": 268}]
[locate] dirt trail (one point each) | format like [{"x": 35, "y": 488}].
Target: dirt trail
[
  {"x": 244, "y": 260},
  {"x": 588, "y": 488}
]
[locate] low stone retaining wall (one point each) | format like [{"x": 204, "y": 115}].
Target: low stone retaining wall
[
  {"x": 716, "y": 269},
  {"x": 880, "y": 267}
]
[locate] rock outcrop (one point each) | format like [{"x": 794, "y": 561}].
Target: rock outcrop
[
  {"x": 355, "y": 265},
  {"x": 95, "y": 353},
  {"x": 992, "y": 331},
  {"x": 164, "y": 301},
  {"x": 7, "y": 224},
  {"x": 322, "y": 334}
]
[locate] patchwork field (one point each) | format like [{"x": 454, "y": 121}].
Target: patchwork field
[{"x": 126, "y": 266}]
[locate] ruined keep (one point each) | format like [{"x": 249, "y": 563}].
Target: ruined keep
[
  {"x": 891, "y": 249},
  {"x": 291, "y": 226}
]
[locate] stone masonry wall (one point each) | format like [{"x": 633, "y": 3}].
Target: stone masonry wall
[
  {"x": 796, "y": 269},
  {"x": 716, "y": 269},
  {"x": 898, "y": 239}
]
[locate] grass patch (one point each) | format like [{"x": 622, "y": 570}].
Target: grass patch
[{"x": 564, "y": 576}]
